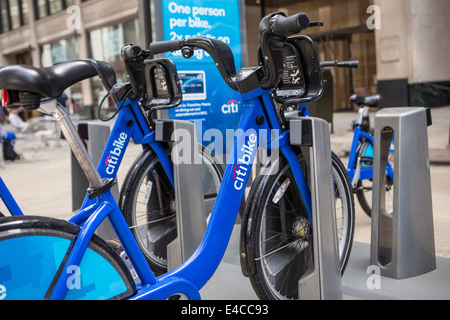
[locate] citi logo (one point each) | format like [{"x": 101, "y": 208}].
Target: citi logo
[
  {"x": 231, "y": 107},
  {"x": 112, "y": 160},
  {"x": 240, "y": 171}
]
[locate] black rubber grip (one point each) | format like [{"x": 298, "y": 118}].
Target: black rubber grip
[
  {"x": 349, "y": 64},
  {"x": 285, "y": 26},
  {"x": 166, "y": 46},
  {"x": 131, "y": 51},
  {"x": 337, "y": 64}
]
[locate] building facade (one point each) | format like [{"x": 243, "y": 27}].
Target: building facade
[
  {"x": 44, "y": 32},
  {"x": 402, "y": 54}
]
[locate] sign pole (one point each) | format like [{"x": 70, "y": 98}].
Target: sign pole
[{"x": 145, "y": 22}]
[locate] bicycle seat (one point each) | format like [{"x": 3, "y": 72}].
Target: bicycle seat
[
  {"x": 372, "y": 101},
  {"x": 33, "y": 84}
]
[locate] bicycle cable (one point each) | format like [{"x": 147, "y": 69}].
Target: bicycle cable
[{"x": 118, "y": 109}]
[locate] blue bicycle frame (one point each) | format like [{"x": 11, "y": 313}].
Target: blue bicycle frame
[
  {"x": 130, "y": 123},
  {"x": 9, "y": 200},
  {"x": 198, "y": 269},
  {"x": 191, "y": 276},
  {"x": 114, "y": 151},
  {"x": 365, "y": 172}
]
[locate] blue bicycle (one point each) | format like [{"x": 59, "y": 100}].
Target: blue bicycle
[
  {"x": 44, "y": 258},
  {"x": 360, "y": 164}
]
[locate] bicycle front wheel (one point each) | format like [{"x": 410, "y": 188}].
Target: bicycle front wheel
[
  {"x": 281, "y": 237},
  {"x": 33, "y": 251},
  {"x": 149, "y": 207}
]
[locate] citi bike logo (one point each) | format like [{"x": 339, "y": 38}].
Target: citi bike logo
[
  {"x": 113, "y": 158},
  {"x": 240, "y": 172},
  {"x": 231, "y": 107}
]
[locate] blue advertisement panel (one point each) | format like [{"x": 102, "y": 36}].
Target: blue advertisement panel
[{"x": 207, "y": 100}]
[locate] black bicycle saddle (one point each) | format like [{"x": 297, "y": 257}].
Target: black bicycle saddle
[
  {"x": 372, "y": 101},
  {"x": 30, "y": 84}
]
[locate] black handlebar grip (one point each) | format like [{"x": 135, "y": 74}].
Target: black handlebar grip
[
  {"x": 166, "y": 46},
  {"x": 131, "y": 51},
  {"x": 285, "y": 26},
  {"x": 349, "y": 64}
]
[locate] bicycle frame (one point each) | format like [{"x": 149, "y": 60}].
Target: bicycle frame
[
  {"x": 9, "y": 200},
  {"x": 191, "y": 276},
  {"x": 354, "y": 170},
  {"x": 198, "y": 269},
  {"x": 258, "y": 115},
  {"x": 130, "y": 123}
]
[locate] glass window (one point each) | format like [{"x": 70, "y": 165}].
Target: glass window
[
  {"x": 59, "y": 51},
  {"x": 5, "y": 15},
  {"x": 130, "y": 32},
  {"x": 72, "y": 49},
  {"x": 106, "y": 44},
  {"x": 24, "y": 4},
  {"x": 41, "y": 6},
  {"x": 55, "y": 6},
  {"x": 96, "y": 44},
  {"x": 64, "y": 50},
  {"x": 47, "y": 55},
  {"x": 112, "y": 42},
  {"x": 15, "y": 13}
]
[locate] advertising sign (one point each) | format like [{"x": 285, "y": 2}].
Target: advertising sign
[{"x": 207, "y": 100}]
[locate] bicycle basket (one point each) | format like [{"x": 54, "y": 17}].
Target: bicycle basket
[
  {"x": 162, "y": 86},
  {"x": 302, "y": 79}
]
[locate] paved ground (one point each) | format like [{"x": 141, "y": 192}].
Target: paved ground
[{"x": 43, "y": 187}]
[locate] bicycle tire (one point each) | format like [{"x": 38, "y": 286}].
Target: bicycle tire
[
  {"x": 34, "y": 251},
  {"x": 266, "y": 250},
  {"x": 159, "y": 227}
]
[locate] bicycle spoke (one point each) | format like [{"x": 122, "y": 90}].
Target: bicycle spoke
[
  {"x": 152, "y": 222},
  {"x": 287, "y": 265},
  {"x": 290, "y": 244}
]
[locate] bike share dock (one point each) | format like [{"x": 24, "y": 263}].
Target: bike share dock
[
  {"x": 228, "y": 283},
  {"x": 323, "y": 282},
  {"x": 359, "y": 281}
]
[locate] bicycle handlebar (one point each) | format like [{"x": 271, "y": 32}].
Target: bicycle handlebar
[
  {"x": 338, "y": 64},
  {"x": 131, "y": 52},
  {"x": 166, "y": 46},
  {"x": 286, "y": 26},
  {"x": 272, "y": 42},
  {"x": 274, "y": 30},
  {"x": 218, "y": 50},
  {"x": 133, "y": 59}
]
